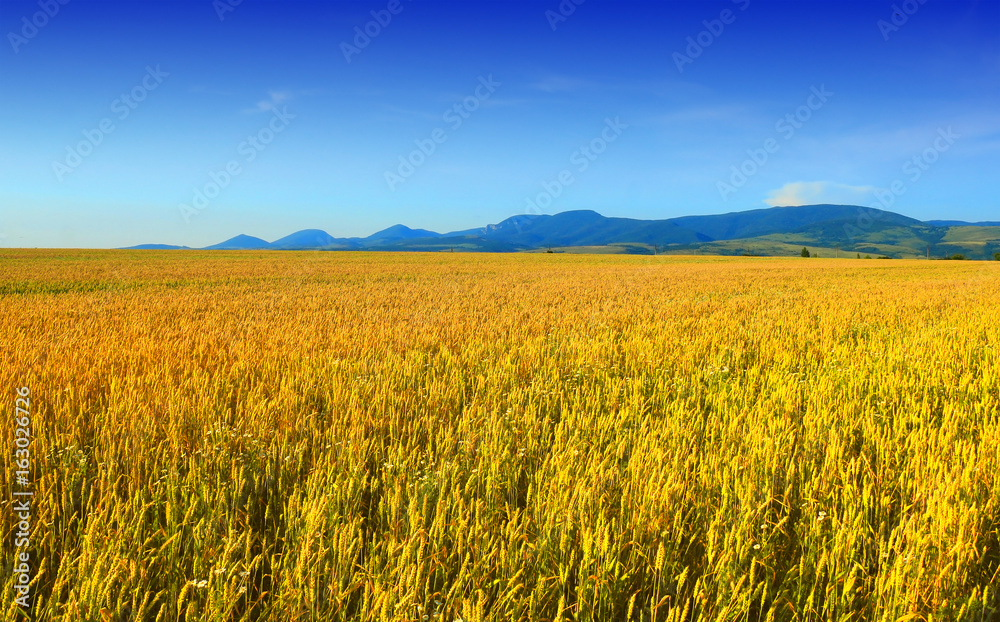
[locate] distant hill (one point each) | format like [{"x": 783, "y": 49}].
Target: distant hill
[
  {"x": 240, "y": 242},
  {"x": 827, "y": 229},
  {"x": 786, "y": 219},
  {"x": 307, "y": 238},
  {"x": 463, "y": 243},
  {"x": 585, "y": 228},
  {"x": 962, "y": 223},
  {"x": 588, "y": 228},
  {"x": 156, "y": 247},
  {"x": 401, "y": 232}
]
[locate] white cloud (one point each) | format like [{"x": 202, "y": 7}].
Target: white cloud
[
  {"x": 274, "y": 98},
  {"x": 819, "y": 192}
]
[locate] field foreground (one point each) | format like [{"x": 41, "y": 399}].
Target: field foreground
[{"x": 326, "y": 436}]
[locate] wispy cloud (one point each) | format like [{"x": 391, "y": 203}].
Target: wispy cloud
[
  {"x": 274, "y": 99},
  {"x": 727, "y": 113},
  {"x": 559, "y": 84},
  {"x": 900, "y": 143},
  {"x": 441, "y": 105},
  {"x": 819, "y": 192}
]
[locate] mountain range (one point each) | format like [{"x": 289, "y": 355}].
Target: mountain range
[{"x": 824, "y": 229}]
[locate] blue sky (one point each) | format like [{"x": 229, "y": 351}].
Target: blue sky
[{"x": 188, "y": 122}]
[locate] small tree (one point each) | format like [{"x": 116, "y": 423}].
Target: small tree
[
  {"x": 805, "y": 251},
  {"x": 996, "y": 256},
  {"x": 859, "y": 255}
]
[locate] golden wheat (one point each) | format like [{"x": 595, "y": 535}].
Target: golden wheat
[{"x": 324, "y": 436}]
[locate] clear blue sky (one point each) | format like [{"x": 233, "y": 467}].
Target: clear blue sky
[{"x": 685, "y": 116}]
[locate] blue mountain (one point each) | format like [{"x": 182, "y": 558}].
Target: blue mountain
[
  {"x": 765, "y": 231},
  {"x": 240, "y": 242}
]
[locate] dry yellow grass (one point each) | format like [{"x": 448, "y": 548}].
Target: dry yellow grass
[{"x": 324, "y": 436}]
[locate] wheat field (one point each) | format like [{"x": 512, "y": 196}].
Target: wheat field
[{"x": 379, "y": 437}]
